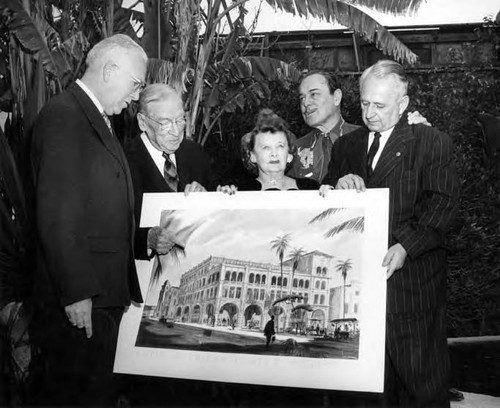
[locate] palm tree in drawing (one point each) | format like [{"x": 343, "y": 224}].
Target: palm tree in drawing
[
  {"x": 356, "y": 224},
  {"x": 296, "y": 256},
  {"x": 280, "y": 245},
  {"x": 344, "y": 267}
]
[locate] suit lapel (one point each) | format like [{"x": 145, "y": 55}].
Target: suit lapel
[
  {"x": 97, "y": 121},
  {"x": 394, "y": 151},
  {"x": 147, "y": 162},
  {"x": 104, "y": 134},
  {"x": 180, "y": 161},
  {"x": 356, "y": 150}
]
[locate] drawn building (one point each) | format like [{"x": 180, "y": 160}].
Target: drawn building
[{"x": 240, "y": 293}]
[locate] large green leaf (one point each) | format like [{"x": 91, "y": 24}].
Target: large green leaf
[
  {"x": 243, "y": 83},
  {"x": 349, "y": 16},
  {"x": 263, "y": 68},
  {"x": 70, "y": 55},
  {"x": 122, "y": 24},
  {"x": 28, "y": 33}
]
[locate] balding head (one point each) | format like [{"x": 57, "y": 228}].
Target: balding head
[
  {"x": 157, "y": 93},
  {"x": 383, "y": 89},
  {"x": 384, "y": 69},
  {"x": 116, "y": 71}
]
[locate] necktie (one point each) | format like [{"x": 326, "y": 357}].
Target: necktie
[
  {"x": 170, "y": 173},
  {"x": 326, "y": 145},
  {"x": 107, "y": 121},
  {"x": 372, "y": 152},
  {"x": 326, "y": 150}
]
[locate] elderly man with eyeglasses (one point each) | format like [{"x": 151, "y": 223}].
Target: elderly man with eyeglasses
[
  {"x": 162, "y": 160},
  {"x": 86, "y": 274}
]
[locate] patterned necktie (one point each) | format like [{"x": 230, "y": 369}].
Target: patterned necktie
[
  {"x": 170, "y": 173},
  {"x": 107, "y": 121},
  {"x": 372, "y": 152}
]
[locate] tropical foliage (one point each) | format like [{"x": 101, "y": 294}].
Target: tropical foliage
[{"x": 199, "y": 47}]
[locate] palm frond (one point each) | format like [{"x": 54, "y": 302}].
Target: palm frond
[
  {"x": 346, "y": 14},
  {"x": 394, "y": 7},
  {"x": 327, "y": 213},
  {"x": 356, "y": 224},
  {"x": 280, "y": 244},
  {"x": 175, "y": 254},
  {"x": 344, "y": 264}
]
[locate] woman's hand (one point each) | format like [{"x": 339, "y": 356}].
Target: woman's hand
[
  {"x": 414, "y": 118},
  {"x": 232, "y": 189},
  {"x": 324, "y": 189}
]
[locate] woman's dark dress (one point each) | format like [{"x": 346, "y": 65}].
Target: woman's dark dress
[{"x": 252, "y": 184}]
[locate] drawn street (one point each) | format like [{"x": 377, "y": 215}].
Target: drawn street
[{"x": 156, "y": 334}]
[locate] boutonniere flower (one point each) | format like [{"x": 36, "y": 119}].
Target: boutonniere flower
[{"x": 306, "y": 156}]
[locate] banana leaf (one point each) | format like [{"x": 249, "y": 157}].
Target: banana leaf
[
  {"x": 344, "y": 12},
  {"x": 28, "y": 33}
]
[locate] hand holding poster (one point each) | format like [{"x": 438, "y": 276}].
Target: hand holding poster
[{"x": 309, "y": 265}]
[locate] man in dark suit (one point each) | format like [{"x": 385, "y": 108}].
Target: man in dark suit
[
  {"x": 416, "y": 164},
  {"x": 85, "y": 223},
  {"x": 162, "y": 160},
  {"x": 320, "y": 99}
]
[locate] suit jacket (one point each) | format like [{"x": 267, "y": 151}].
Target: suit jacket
[
  {"x": 192, "y": 162},
  {"x": 84, "y": 206},
  {"x": 417, "y": 166}
]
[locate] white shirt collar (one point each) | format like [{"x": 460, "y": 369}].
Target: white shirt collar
[
  {"x": 92, "y": 97},
  {"x": 384, "y": 137},
  {"x": 156, "y": 154}
]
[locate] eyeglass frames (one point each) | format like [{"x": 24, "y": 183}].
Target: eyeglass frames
[{"x": 166, "y": 124}]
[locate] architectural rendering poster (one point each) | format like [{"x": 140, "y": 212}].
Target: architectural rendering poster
[{"x": 273, "y": 288}]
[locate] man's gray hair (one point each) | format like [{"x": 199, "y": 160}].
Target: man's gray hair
[
  {"x": 111, "y": 46},
  {"x": 386, "y": 68},
  {"x": 155, "y": 93}
]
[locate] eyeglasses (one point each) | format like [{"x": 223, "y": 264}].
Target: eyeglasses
[
  {"x": 167, "y": 124},
  {"x": 138, "y": 84}
]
